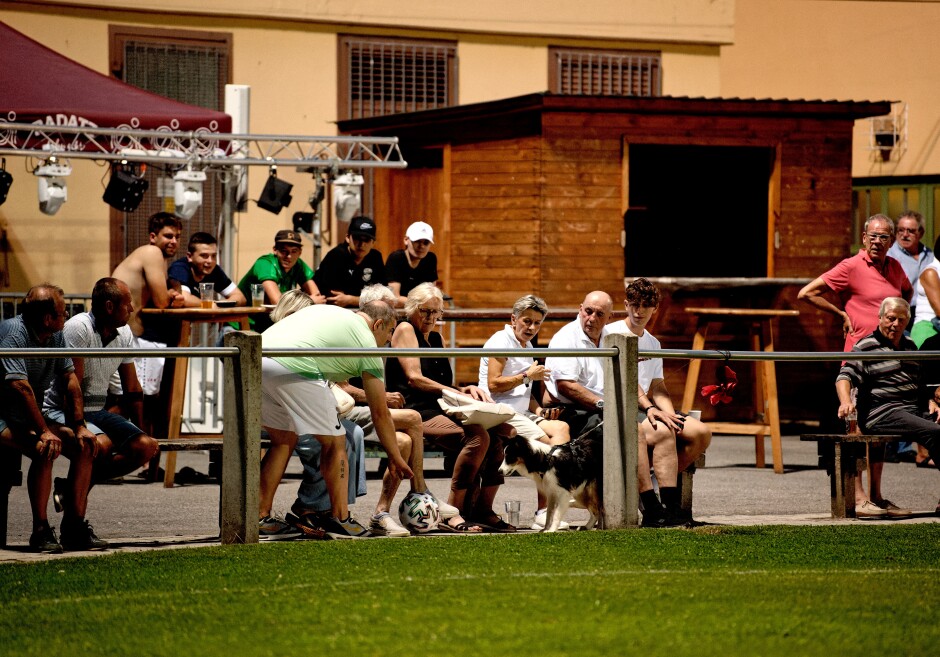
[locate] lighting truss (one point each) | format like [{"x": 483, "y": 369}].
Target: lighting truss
[{"x": 204, "y": 149}]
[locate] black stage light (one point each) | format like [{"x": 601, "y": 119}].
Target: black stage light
[
  {"x": 303, "y": 221},
  {"x": 6, "y": 180},
  {"x": 276, "y": 193},
  {"x": 126, "y": 188}
]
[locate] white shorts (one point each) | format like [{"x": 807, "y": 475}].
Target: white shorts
[
  {"x": 291, "y": 402},
  {"x": 149, "y": 370},
  {"x": 525, "y": 427}
]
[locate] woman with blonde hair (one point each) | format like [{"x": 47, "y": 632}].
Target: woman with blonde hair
[{"x": 421, "y": 381}]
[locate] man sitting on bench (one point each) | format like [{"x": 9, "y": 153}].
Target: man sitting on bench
[{"x": 889, "y": 395}]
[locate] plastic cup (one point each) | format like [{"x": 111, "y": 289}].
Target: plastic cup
[
  {"x": 257, "y": 295},
  {"x": 207, "y": 294},
  {"x": 512, "y": 512},
  {"x": 695, "y": 415}
]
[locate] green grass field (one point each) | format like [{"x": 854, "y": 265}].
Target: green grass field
[{"x": 842, "y": 590}]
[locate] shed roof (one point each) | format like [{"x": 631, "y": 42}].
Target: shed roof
[{"x": 521, "y": 115}]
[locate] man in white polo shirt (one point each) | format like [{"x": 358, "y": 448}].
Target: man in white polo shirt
[{"x": 578, "y": 382}]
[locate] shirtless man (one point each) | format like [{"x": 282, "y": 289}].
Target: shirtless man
[
  {"x": 145, "y": 269},
  {"x": 145, "y": 273}
]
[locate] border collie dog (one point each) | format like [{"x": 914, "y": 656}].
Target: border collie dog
[{"x": 561, "y": 472}]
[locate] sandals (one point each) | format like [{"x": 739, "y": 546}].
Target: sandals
[
  {"x": 460, "y": 527},
  {"x": 496, "y": 524}
]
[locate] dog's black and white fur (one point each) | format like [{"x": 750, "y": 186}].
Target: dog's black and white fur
[{"x": 561, "y": 472}]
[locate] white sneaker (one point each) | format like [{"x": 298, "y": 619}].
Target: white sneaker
[
  {"x": 446, "y": 510},
  {"x": 541, "y": 516},
  {"x": 384, "y": 525}
]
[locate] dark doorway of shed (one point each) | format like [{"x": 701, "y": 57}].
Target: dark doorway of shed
[{"x": 697, "y": 210}]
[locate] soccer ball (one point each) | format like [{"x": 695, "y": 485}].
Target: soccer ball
[{"x": 419, "y": 513}]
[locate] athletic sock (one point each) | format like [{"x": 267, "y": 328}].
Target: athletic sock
[
  {"x": 670, "y": 497},
  {"x": 652, "y": 508}
]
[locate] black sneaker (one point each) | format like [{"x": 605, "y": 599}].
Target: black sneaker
[
  {"x": 80, "y": 536},
  {"x": 348, "y": 528},
  {"x": 310, "y": 524},
  {"x": 59, "y": 485},
  {"x": 43, "y": 540}
]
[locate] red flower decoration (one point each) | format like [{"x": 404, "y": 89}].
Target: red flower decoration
[{"x": 721, "y": 393}]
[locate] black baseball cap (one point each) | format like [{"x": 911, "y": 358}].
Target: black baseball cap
[{"x": 362, "y": 227}]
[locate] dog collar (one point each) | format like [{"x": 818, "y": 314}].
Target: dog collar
[{"x": 554, "y": 449}]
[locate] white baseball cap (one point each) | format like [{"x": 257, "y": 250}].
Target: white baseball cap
[{"x": 420, "y": 231}]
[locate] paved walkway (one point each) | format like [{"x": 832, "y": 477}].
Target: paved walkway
[{"x": 728, "y": 491}]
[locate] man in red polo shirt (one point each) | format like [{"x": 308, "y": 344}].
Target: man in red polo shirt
[{"x": 862, "y": 282}]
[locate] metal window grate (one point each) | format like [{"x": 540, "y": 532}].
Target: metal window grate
[
  {"x": 606, "y": 73},
  {"x": 388, "y": 77},
  {"x": 190, "y": 73}
]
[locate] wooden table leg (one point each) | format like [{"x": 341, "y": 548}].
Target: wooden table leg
[
  {"x": 770, "y": 396},
  {"x": 695, "y": 366},
  {"x": 177, "y": 396}
]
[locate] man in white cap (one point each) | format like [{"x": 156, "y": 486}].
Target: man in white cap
[{"x": 413, "y": 265}]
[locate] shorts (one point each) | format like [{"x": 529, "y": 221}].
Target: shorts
[
  {"x": 119, "y": 430},
  {"x": 290, "y": 402},
  {"x": 526, "y": 426},
  {"x": 149, "y": 370},
  {"x": 361, "y": 416}
]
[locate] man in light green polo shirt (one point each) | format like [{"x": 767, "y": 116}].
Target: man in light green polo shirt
[{"x": 296, "y": 400}]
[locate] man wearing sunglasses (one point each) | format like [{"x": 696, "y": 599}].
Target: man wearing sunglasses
[{"x": 860, "y": 283}]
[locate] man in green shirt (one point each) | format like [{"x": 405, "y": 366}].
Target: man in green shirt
[
  {"x": 296, "y": 400},
  {"x": 278, "y": 272}
]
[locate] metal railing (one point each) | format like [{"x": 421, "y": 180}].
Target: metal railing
[{"x": 242, "y": 408}]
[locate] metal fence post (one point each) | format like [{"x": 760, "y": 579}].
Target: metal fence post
[
  {"x": 241, "y": 456},
  {"x": 620, "y": 495}
]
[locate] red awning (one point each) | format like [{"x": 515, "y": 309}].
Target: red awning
[{"x": 38, "y": 85}]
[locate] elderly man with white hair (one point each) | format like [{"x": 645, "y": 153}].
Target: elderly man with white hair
[{"x": 888, "y": 397}]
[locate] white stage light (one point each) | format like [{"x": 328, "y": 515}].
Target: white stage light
[
  {"x": 347, "y": 195},
  {"x": 187, "y": 192},
  {"x": 53, "y": 191}
]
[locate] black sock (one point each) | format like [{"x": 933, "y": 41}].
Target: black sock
[
  {"x": 652, "y": 508},
  {"x": 670, "y": 497}
]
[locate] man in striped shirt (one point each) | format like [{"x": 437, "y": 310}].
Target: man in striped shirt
[{"x": 888, "y": 402}]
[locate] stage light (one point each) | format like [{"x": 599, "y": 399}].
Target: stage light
[
  {"x": 276, "y": 193},
  {"x": 53, "y": 191},
  {"x": 187, "y": 192},
  {"x": 6, "y": 180},
  {"x": 347, "y": 195},
  {"x": 126, "y": 188}
]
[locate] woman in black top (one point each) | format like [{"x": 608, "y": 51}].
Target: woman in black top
[{"x": 476, "y": 475}]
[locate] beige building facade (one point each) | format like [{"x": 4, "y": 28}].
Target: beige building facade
[{"x": 292, "y": 58}]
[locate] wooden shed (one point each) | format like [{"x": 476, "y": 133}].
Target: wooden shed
[{"x": 560, "y": 195}]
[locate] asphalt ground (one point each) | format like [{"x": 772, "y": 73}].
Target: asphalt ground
[{"x": 729, "y": 490}]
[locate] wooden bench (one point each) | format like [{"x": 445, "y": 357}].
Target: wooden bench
[
  {"x": 11, "y": 473},
  {"x": 843, "y": 455}
]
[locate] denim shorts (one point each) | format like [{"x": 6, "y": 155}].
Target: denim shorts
[{"x": 119, "y": 430}]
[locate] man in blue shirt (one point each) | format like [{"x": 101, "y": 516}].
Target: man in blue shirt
[{"x": 201, "y": 266}]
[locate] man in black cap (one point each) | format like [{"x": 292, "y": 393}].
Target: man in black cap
[
  {"x": 353, "y": 265},
  {"x": 279, "y": 272}
]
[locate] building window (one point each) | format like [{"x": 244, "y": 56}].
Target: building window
[
  {"x": 388, "y": 76},
  {"x": 582, "y": 72},
  {"x": 192, "y": 67}
]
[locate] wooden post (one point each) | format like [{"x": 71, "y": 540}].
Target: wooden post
[
  {"x": 241, "y": 456},
  {"x": 619, "y": 489}
]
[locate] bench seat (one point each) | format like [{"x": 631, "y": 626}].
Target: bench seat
[{"x": 843, "y": 455}]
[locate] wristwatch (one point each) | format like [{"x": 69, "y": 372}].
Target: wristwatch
[
  {"x": 599, "y": 404},
  {"x": 525, "y": 379}
]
